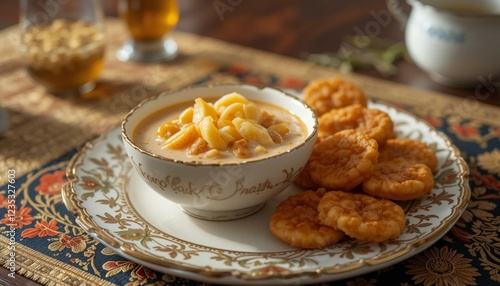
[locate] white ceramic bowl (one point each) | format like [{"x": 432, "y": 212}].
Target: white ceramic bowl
[{"x": 220, "y": 191}]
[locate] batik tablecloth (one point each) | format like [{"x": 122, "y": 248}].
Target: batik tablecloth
[{"x": 45, "y": 131}]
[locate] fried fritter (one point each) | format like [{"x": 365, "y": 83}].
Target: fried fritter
[
  {"x": 304, "y": 178},
  {"x": 295, "y": 221},
  {"x": 362, "y": 216},
  {"x": 399, "y": 179},
  {"x": 372, "y": 122},
  {"x": 326, "y": 94},
  {"x": 343, "y": 160},
  {"x": 409, "y": 149}
]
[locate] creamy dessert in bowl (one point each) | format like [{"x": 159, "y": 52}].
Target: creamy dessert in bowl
[{"x": 220, "y": 151}]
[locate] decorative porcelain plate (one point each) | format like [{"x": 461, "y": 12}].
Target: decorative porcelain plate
[{"x": 111, "y": 202}]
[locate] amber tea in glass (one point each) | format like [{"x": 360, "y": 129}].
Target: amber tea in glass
[
  {"x": 149, "y": 23},
  {"x": 150, "y": 20}
]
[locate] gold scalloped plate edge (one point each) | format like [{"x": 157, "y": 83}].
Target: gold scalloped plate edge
[{"x": 128, "y": 250}]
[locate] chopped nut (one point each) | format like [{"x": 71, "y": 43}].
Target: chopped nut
[
  {"x": 240, "y": 149},
  {"x": 275, "y": 136},
  {"x": 281, "y": 128},
  {"x": 199, "y": 146},
  {"x": 267, "y": 119}
]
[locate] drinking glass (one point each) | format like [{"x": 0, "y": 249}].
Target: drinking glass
[
  {"x": 62, "y": 43},
  {"x": 149, "y": 23}
]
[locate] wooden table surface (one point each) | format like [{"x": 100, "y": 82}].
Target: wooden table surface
[{"x": 294, "y": 28}]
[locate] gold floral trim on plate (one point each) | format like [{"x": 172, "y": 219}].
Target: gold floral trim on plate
[{"x": 111, "y": 202}]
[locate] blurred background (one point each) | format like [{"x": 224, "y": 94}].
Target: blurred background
[{"x": 315, "y": 30}]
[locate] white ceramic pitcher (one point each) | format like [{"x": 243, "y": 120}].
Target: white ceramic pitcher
[{"x": 455, "y": 41}]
